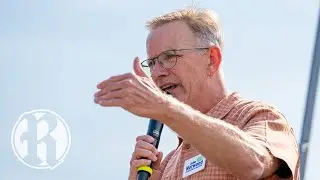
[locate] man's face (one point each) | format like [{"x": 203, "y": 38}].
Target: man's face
[{"x": 187, "y": 79}]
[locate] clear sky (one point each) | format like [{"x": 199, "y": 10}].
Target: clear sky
[{"x": 53, "y": 53}]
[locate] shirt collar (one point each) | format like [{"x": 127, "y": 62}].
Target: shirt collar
[{"x": 221, "y": 109}]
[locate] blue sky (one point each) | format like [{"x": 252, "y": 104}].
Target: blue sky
[{"x": 53, "y": 53}]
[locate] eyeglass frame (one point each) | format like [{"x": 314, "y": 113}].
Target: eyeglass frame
[{"x": 156, "y": 59}]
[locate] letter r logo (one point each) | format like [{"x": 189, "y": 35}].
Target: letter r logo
[{"x": 41, "y": 139}]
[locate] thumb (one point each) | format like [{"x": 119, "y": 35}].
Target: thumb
[
  {"x": 156, "y": 165},
  {"x": 138, "y": 68}
]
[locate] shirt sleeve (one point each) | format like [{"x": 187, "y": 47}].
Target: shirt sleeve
[{"x": 271, "y": 129}]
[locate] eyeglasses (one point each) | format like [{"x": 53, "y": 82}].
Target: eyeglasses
[{"x": 166, "y": 59}]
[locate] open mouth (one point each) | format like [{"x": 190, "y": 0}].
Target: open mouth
[{"x": 168, "y": 88}]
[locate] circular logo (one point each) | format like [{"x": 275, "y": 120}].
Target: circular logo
[{"x": 41, "y": 139}]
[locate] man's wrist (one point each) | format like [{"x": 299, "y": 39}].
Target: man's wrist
[{"x": 171, "y": 110}]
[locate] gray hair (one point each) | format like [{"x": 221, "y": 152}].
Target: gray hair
[{"x": 204, "y": 23}]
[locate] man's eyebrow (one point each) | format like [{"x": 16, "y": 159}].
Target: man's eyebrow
[
  {"x": 153, "y": 57},
  {"x": 166, "y": 49}
]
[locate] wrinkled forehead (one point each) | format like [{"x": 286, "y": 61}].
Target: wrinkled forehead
[{"x": 173, "y": 35}]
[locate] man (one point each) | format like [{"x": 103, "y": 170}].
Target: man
[{"x": 221, "y": 135}]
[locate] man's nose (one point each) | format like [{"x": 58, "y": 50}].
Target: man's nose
[{"x": 158, "y": 71}]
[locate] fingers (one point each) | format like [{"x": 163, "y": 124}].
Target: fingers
[
  {"x": 144, "y": 148},
  {"x": 145, "y": 153},
  {"x": 159, "y": 158},
  {"x": 116, "y": 94},
  {"x": 146, "y": 138},
  {"x": 112, "y": 102},
  {"x": 103, "y": 84},
  {"x": 140, "y": 162},
  {"x": 114, "y": 86},
  {"x": 137, "y": 71}
]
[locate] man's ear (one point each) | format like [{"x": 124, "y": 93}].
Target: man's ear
[{"x": 214, "y": 60}]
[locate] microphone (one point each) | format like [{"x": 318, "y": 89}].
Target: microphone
[{"x": 154, "y": 130}]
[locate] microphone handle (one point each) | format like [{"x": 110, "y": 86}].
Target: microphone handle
[{"x": 154, "y": 130}]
